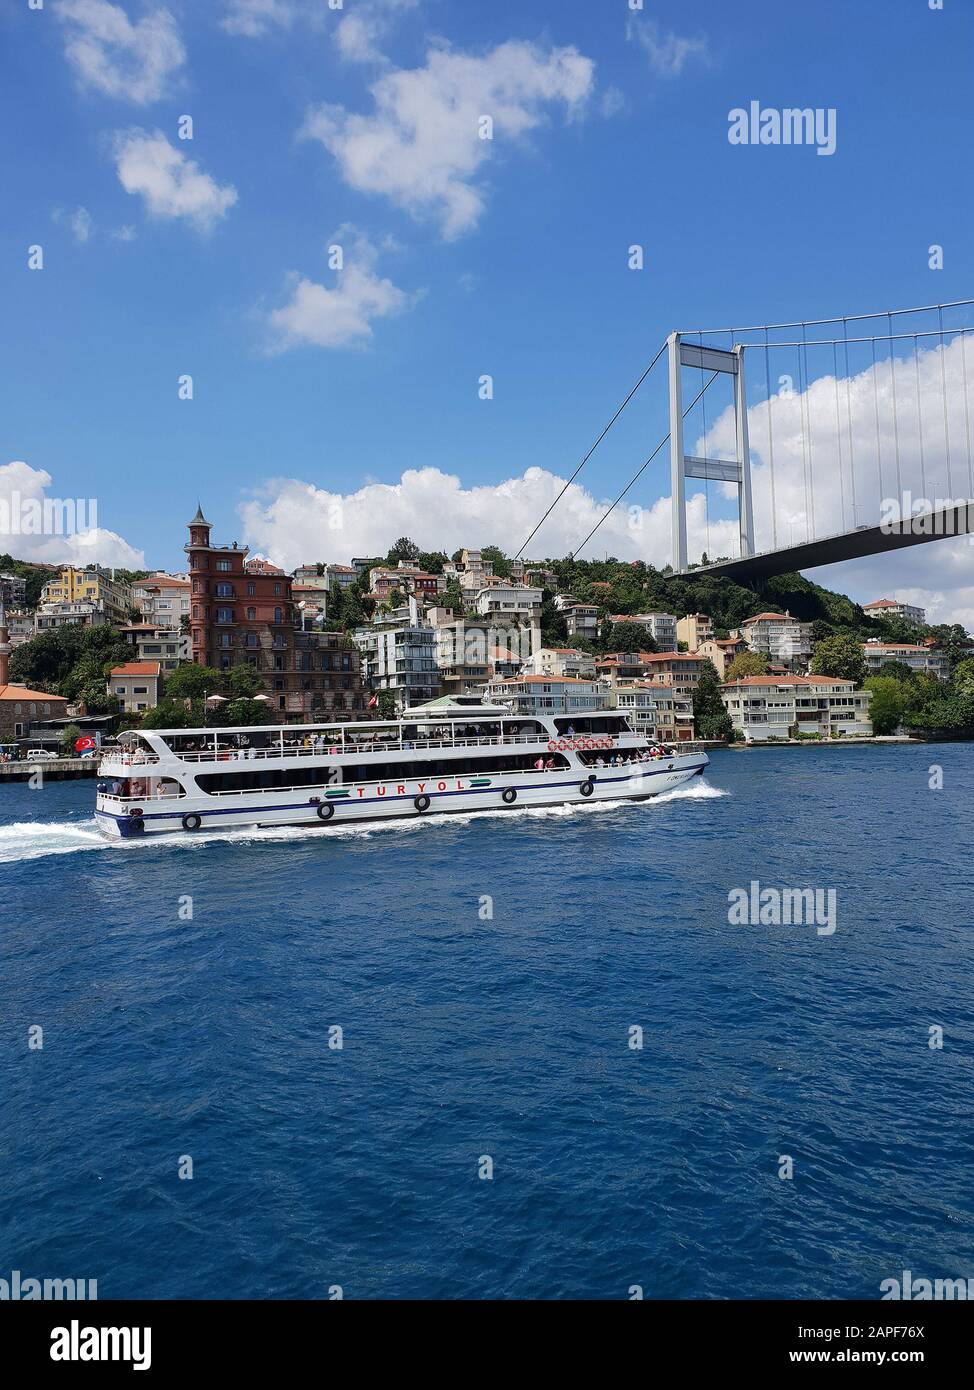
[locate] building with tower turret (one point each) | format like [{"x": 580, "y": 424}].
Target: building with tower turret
[{"x": 243, "y": 612}]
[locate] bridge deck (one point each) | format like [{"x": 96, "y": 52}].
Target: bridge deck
[{"x": 849, "y": 545}]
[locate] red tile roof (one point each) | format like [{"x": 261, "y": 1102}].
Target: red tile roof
[
  {"x": 20, "y": 692},
  {"x": 137, "y": 668}
]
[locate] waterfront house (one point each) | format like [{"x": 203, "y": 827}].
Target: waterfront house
[{"x": 763, "y": 707}]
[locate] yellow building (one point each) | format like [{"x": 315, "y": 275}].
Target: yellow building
[{"x": 93, "y": 585}]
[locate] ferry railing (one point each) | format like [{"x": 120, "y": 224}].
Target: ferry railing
[{"x": 326, "y": 748}]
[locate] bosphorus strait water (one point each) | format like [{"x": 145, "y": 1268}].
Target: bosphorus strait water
[{"x": 486, "y": 973}]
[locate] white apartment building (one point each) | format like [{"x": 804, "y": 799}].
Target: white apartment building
[
  {"x": 404, "y": 661},
  {"x": 560, "y": 661},
  {"x": 694, "y": 629},
  {"x": 164, "y": 599},
  {"x": 509, "y": 601},
  {"x": 763, "y": 707},
  {"x": 893, "y": 608},
  {"x": 550, "y": 695},
  {"x": 926, "y": 660},
  {"x": 780, "y": 637}
]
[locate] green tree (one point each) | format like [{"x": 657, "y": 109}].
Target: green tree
[
  {"x": 386, "y": 704},
  {"x": 630, "y": 637},
  {"x": 169, "y": 714},
  {"x": 404, "y": 549},
  {"x": 244, "y": 682},
  {"x": 432, "y": 561},
  {"x": 746, "y": 664},
  {"x": 888, "y": 703},
  {"x": 841, "y": 656},
  {"x": 192, "y": 682},
  {"x": 69, "y": 737},
  {"x": 709, "y": 715}
]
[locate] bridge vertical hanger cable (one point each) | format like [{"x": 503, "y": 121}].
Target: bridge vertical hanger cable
[
  {"x": 767, "y": 374},
  {"x": 943, "y": 382},
  {"x": 967, "y": 412},
  {"x": 801, "y": 414},
  {"x": 848, "y": 398},
  {"x": 879, "y": 434},
  {"x": 896, "y": 423},
  {"x": 808, "y": 417},
  {"x": 838, "y": 428},
  {"x": 916, "y": 363}
]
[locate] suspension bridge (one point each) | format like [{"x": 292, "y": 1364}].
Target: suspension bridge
[{"x": 794, "y": 445}]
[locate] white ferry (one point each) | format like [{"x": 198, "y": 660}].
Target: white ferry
[{"x": 458, "y": 755}]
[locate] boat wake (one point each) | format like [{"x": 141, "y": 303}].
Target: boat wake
[{"x": 27, "y": 840}]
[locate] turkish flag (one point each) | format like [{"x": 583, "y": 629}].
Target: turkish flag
[{"x": 81, "y": 745}]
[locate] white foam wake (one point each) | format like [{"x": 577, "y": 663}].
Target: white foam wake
[{"x": 27, "y": 840}]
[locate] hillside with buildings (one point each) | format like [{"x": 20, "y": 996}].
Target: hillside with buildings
[{"x": 236, "y": 640}]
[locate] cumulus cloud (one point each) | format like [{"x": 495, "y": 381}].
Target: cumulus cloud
[
  {"x": 668, "y": 53},
  {"x": 110, "y": 54},
  {"x": 343, "y": 316},
  {"x": 23, "y": 493},
  {"x": 421, "y": 146},
  {"x": 291, "y": 519},
  {"x": 170, "y": 184}
]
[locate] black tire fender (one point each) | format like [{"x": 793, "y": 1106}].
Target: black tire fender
[
  {"x": 325, "y": 811},
  {"x": 509, "y": 795},
  {"x": 192, "y": 822},
  {"x": 587, "y": 788},
  {"x": 422, "y": 803}
]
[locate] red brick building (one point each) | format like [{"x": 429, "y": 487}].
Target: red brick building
[{"x": 245, "y": 613}]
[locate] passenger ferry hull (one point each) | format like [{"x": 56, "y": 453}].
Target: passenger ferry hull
[{"x": 332, "y": 807}]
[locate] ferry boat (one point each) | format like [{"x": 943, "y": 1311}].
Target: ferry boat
[{"x": 454, "y": 755}]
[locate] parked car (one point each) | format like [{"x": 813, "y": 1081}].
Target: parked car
[{"x": 41, "y": 755}]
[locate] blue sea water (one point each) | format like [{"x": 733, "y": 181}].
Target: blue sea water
[{"x": 467, "y": 1036}]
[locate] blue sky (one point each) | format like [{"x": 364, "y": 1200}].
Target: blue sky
[{"x": 315, "y": 126}]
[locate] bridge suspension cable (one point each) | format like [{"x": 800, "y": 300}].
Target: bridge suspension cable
[
  {"x": 591, "y": 451},
  {"x": 641, "y": 470}
]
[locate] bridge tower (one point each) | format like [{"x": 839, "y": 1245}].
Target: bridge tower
[{"x": 683, "y": 354}]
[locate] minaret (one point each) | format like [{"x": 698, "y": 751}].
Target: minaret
[{"x": 4, "y": 649}]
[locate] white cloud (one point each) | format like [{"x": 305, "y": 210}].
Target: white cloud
[
  {"x": 341, "y": 317},
  {"x": 111, "y": 54},
  {"x": 170, "y": 184},
  {"x": 124, "y": 233},
  {"x": 79, "y": 221},
  {"x": 668, "y": 53},
  {"x": 23, "y": 491},
  {"x": 359, "y": 32},
  {"x": 253, "y": 18},
  {"x": 422, "y": 146},
  {"x": 292, "y": 520}
]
